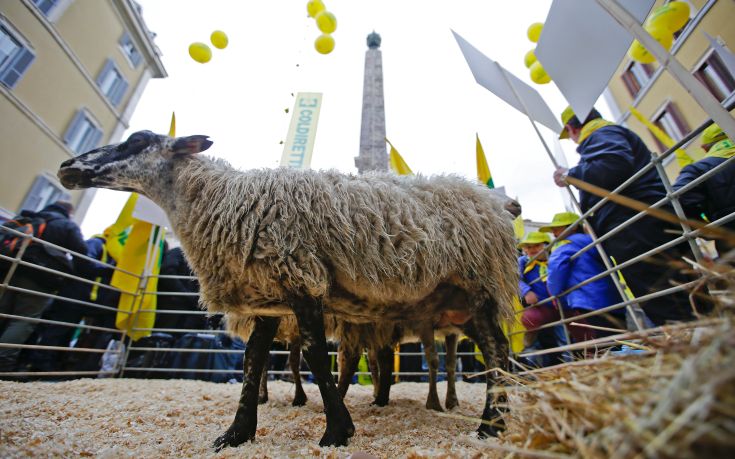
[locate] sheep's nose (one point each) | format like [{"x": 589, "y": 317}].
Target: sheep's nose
[{"x": 67, "y": 163}]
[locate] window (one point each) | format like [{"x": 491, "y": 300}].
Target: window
[
  {"x": 112, "y": 83},
  {"x": 45, "y": 6},
  {"x": 715, "y": 76},
  {"x": 43, "y": 192},
  {"x": 15, "y": 58},
  {"x": 636, "y": 76},
  {"x": 83, "y": 133},
  {"x": 130, "y": 51},
  {"x": 670, "y": 120}
]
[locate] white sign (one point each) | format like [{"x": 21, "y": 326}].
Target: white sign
[
  {"x": 493, "y": 77},
  {"x": 148, "y": 211},
  {"x": 299, "y": 142},
  {"x": 581, "y": 46}
]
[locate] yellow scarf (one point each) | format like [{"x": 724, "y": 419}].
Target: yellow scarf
[
  {"x": 722, "y": 149},
  {"x": 542, "y": 271},
  {"x": 591, "y": 127}
]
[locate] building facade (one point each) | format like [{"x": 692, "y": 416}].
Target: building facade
[
  {"x": 659, "y": 97},
  {"x": 71, "y": 75}
]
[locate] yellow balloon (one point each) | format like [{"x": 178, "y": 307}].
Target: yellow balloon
[
  {"x": 672, "y": 16},
  {"x": 200, "y": 52},
  {"x": 529, "y": 58},
  {"x": 219, "y": 39},
  {"x": 326, "y": 21},
  {"x": 538, "y": 74},
  {"x": 639, "y": 53},
  {"x": 314, "y": 7},
  {"x": 534, "y": 31},
  {"x": 324, "y": 43}
]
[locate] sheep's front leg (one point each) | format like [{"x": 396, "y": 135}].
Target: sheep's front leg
[
  {"x": 310, "y": 318},
  {"x": 488, "y": 336},
  {"x": 451, "y": 365},
  {"x": 294, "y": 361},
  {"x": 263, "y": 390},
  {"x": 432, "y": 359},
  {"x": 256, "y": 354}
]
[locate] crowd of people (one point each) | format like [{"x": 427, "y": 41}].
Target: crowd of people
[{"x": 555, "y": 272}]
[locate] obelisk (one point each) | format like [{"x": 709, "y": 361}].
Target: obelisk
[{"x": 373, "y": 154}]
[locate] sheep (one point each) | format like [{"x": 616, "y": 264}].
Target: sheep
[{"x": 273, "y": 242}]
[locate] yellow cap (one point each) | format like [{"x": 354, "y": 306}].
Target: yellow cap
[
  {"x": 535, "y": 237},
  {"x": 560, "y": 219},
  {"x": 566, "y": 115},
  {"x": 713, "y": 134}
]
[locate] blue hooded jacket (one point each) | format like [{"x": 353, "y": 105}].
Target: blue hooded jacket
[
  {"x": 526, "y": 284},
  {"x": 564, "y": 273},
  {"x": 608, "y": 157}
]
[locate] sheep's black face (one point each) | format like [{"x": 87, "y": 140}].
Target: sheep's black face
[{"x": 126, "y": 165}]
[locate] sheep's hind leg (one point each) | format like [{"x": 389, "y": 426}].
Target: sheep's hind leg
[
  {"x": 263, "y": 390},
  {"x": 451, "y": 365},
  {"x": 310, "y": 317},
  {"x": 432, "y": 358},
  {"x": 348, "y": 361},
  {"x": 485, "y": 331},
  {"x": 256, "y": 352},
  {"x": 385, "y": 367},
  {"x": 294, "y": 361}
]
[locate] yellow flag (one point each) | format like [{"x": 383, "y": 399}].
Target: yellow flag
[
  {"x": 483, "y": 171},
  {"x": 682, "y": 158},
  {"x": 519, "y": 228},
  {"x": 397, "y": 164},
  {"x": 141, "y": 256},
  {"x": 172, "y": 129},
  {"x": 117, "y": 233}
]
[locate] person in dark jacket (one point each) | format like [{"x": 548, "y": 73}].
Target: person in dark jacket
[
  {"x": 174, "y": 264},
  {"x": 72, "y": 312},
  {"x": 62, "y": 231},
  {"x": 715, "y": 197},
  {"x": 609, "y": 155}
]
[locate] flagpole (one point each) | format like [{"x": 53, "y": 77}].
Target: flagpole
[{"x": 578, "y": 208}]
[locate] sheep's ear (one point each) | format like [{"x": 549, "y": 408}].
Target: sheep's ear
[{"x": 190, "y": 145}]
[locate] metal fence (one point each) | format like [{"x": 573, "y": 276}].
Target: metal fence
[{"x": 121, "y": 358}]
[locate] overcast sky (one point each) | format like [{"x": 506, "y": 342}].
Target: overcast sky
[{"x": 433, "y": 105}]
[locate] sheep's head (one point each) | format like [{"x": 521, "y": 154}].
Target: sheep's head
[{"x": 126, "y": 166}]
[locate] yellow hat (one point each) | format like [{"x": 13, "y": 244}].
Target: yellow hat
[
  {"x": 713, "y": 134},
  {"x": 535, "y": 237},
  {"x": 566, "y": 115},
  {"x": 560, "y": 219}
]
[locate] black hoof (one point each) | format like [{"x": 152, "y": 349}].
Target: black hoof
[
  {"x": 487, "y": 431},
  {"x": 231, "y": 438},
  {"x": 451, "y": 403},
  {"x": 262, "y": 399},
  {"x": 434, "y": 404},
  {"x": 380, "y": 402},
  {"x": 337, "y": 436},
  {"x": 299, "y": 400}
]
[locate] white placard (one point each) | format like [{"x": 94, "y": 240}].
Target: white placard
[
  {"x": 148, "y": 211},
  {"x": 301, "y": 135},
  {"x": 581, "y": 46},
  {"x": 489, "y": 74}
]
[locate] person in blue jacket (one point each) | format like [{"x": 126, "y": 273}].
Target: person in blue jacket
[
  {"x": 715, "y": 197},
  {"x": 532, "y": 267},
  {"x": 565, "y": 272},
  {"x": 609, "y": 155}
]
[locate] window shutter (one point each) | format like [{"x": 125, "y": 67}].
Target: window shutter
[
  {"x": 20, "y": 64},
  {"x": 73, "y": 126},
  {"x": 120, "y": 88},
  {"x": 101, "y": 76}
]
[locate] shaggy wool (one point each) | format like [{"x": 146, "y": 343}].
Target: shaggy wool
[{"x": 111, "y": 418}]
